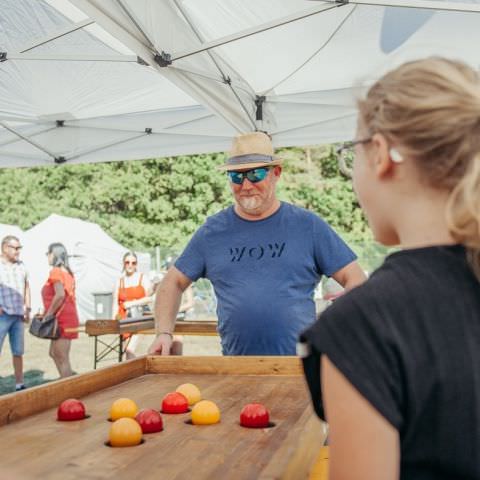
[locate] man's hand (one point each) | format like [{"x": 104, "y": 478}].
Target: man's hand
[{"x": 161, "y": 345}]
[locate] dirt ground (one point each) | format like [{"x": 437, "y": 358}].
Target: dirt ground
[{"x": 39, "y": 367}]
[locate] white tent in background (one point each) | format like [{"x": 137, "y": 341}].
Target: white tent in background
[
  {"x": 96, "y": 258},
  {"x": 97, "y": 80},
  {"x": 6, "y": 229}
]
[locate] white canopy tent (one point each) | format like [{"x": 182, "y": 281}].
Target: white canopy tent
[
  {"x": 99, "y": 80},
  {"x": 96, "y": 259},
  {"x": 6, "y": 229}
]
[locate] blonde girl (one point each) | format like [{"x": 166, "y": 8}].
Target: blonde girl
[{"x": 399, "y": 357}]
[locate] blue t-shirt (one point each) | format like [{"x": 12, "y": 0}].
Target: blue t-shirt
[{"x": 264, "y": 273}]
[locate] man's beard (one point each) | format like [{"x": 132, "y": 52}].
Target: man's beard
[{"x": 250, "y": 204}]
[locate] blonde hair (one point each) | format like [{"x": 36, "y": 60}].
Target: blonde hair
[{"x": 431, "y": 108}]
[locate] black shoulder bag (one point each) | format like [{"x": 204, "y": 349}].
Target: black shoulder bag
[{"x": 45, "y": 327}]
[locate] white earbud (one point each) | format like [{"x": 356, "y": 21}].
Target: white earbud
[{"x": 395, "y": 155}]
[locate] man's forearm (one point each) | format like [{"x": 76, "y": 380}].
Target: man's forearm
[
  {"x": 350, "y": 276},
  {"x": 167, "y": 303},
  {"x": 28, "y": 302}
]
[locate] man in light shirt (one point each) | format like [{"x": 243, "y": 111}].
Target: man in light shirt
[{"x": 14, "y": 303}]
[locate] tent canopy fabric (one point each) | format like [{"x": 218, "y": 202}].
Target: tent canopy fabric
[
  {"x": 95, "y": 259},
  {"x": 101, "y": 80}
]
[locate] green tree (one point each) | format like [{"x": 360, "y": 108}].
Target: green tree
[{"x": 163, "y": 201}]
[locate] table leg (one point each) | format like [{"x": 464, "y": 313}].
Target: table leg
[
  {"x": 95, "y": 353},
  {"x": 120, "y": 348}
]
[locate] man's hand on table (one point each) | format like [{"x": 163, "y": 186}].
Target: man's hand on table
[{"x": 162, "y": 344}]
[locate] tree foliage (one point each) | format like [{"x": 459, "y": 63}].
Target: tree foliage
[{"x": 163, "y": 201}]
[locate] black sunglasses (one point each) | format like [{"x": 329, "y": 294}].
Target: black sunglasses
[{"x": 254, "y": 175}]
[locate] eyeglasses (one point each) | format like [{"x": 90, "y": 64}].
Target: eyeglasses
[
  {"x": 254, "y": 175},
  {"x": 346, "y": 153},
  {"x": 128, "y": 262},
  {"x": 15, "y": 247},
  {"x": 347, "y": 147}
]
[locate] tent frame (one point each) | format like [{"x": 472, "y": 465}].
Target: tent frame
[{"x": 240, "y": 106}]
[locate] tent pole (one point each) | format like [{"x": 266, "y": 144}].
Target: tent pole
[
  {"x": 207, "y": 77},
  {"x": 8, "y": 142},
  {"x": 131, "y": 16},
  {"x": 319, "y": 122},
  {"x": 324, "y": 44},
  {"x": 157, "y": 258},
  {"x": 74, "y": 58},
  {"x": 165, "y": 130},
  {"x": 28, "y": 140},
  {"x": 106, "y": 145},
  {"x": 253, "y": 31},
  {"x": 225, "y": 77},
  {"x": 61, "y": 33}
]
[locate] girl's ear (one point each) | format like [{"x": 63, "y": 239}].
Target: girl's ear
[{"x": 380, "y": 159}]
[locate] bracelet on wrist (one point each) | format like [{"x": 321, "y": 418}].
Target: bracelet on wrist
[{"x": 167, "y": 333}]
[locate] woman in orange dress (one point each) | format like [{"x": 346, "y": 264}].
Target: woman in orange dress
[
  {"x": 58, "y": 295},
  {"x": 131, "y": 286}
]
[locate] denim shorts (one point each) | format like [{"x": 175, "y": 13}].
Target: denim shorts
[{"x": 14, "y": 326}]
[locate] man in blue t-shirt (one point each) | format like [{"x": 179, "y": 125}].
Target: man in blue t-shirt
[{"x": 264, "y": 258}]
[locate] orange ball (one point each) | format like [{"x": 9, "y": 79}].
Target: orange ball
[
  {"x": 205, "y": 412},
  {"x": 125, "y": 432},
  {"x": 123, "y": 408},
  {"x": 191, "y": 391}
]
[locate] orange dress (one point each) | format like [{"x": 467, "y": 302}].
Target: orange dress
[
  {"x": 67, "y": 315},
  {"x": 126, "y": 294}
]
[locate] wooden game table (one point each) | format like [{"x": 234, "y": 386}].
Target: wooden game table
[
  {"x": 143, "y": 325},
  {"x": 37, "y": 446}
]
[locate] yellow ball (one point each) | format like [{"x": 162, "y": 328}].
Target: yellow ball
[
  {"x": 125, "y": 432},
  {"x": 205, "y": 413},
  {"x": 123, "y": 408},
  {"x": 191, "y": 391}
]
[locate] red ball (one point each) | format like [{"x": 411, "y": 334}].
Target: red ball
[
  {"x": 71, "y": 409},
  {"x": 174, "y": 402},
  {"x": 254, "y": 415},
  {"x": 150, "y": 420}
]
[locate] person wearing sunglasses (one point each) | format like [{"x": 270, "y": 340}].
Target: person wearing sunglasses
[
  {"x": 130, "y": 287},
  {"x": 393, "y": 365},
  {"x": 14, "y": 303},
  {"x": 263, "y": 257}
]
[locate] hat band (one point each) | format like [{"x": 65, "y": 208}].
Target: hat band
[{"x": 249, "y": 158}]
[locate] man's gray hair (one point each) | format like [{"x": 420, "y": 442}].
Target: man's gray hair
[{"x": 6, "y": 240}]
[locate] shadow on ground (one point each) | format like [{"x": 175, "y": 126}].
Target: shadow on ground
[{"x": 32, "y": 378}]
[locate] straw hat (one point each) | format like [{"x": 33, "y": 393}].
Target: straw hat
[{"x": 251, "y": 150}]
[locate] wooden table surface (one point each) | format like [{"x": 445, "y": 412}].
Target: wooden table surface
[
  {"x": 35, "y": 445},
  {"x": 182, "y": 327}
]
